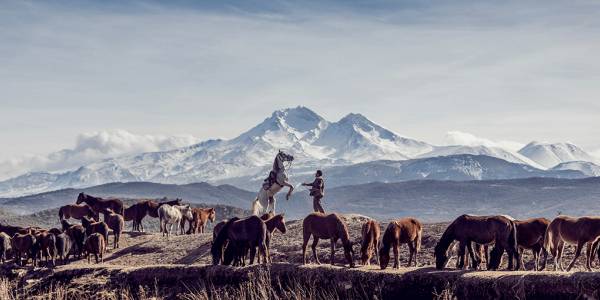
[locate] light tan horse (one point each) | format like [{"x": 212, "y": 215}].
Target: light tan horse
[
  {"x": 406, "y": 230},
  {"x": 568, "y": 230}
]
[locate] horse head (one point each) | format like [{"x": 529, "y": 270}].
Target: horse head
[
  {"x": 441, "y": 256},
  {"x": 349, "y": 253},
  {"x": 81, "y": 198},
  {"x": 284, "y": 156},
  {"x": 281, "y": 224},
  {"x": 212, "y": 215}
]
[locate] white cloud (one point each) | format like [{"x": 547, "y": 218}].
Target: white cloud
[
  {"x": 91, "y": 147},
  {"x": 468, "y": 139}
]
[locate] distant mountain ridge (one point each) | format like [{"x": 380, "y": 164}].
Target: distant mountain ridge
[{"x": 314, "y": 142}]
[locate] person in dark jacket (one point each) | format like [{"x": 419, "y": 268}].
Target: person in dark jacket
[{"x": 317, "y": 191}]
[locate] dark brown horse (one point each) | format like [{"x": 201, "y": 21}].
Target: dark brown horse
[
  {"x": 370, "y": 242},
  {"x": 12, "y": 230},
  {"x": 322, "y": 226},
  {"x": 97, "y": 204},
  {"x": 406, "y": 230},
  {"x": 468, "y": 229},
  {"x": 136, "y": 213},
  {"x": 200, "y": 217},
  {"x": 76, "y": 235},
  {"x": 95, "y": 244},
  {"x": 45, "y": 244},
  {"x": 276, "y": 222},
  {"x": 568, "y": 230},
  {"x": 116, "y": 223},
  {"x": 530, "y": 236},
  {"x": 251, "y": 231},
  {"x": 95, "y": 227},
  {"x": 76, "y": 211},
  {"x": 23, "y": 245}
]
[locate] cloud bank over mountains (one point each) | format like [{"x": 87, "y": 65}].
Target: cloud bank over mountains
[{"x": 91, "y": 147}]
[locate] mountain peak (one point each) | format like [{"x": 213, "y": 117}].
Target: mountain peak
[{"x": 355, "y": 118}]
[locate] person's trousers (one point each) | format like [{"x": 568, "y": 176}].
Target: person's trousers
[{"x": 317, "y": 204}]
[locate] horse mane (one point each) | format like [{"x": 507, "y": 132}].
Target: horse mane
[
  {"x": 446, "y": 239},
  {"x": 343, "y": 232}
]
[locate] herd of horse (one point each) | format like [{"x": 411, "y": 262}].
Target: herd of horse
[
  {"x": 237, "y": 239},
  {"x": 470, "y": 236},
  {"x": 91, "y": 236}
]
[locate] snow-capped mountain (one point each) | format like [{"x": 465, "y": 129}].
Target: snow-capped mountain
[
  {"x": 314, "y": 141},
  {"x": 588, "y": 168},
  {"x": 482, "y": 150},
  {"x": 552, "y": 154}
]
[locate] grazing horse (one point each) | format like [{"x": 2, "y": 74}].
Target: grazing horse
[
  {"x": 172, "y": 214},
  {"x": 370, "y": 242},
  {"x": 568, "y": 230},
  {"x": 116, "y": 223},
  {"x": 23, "y": 244},
  {"x": 468, "y": 229},
  {"x": 97, "y": 204},
  {"x": 95, "y": 227},
  {"x": 200, "y": 217},
  {"x": 76, "y": 234},
  {"x": 322, "y": 226},
  {"x": 406, "y": 230},
  {"x": 76, "y": 211},
  {"x": 95, "y": 244},
  {"x": 250, "y": 232},
  {"x": 530, "y": 235},
  {"x": 265, "y": 200},
  {"x": 4, "y": 245}
]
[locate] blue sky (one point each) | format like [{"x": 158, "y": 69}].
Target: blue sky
[{"x": 503, "y": 70}]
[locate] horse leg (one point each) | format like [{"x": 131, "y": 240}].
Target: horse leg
[
  {"x": 412, "y": 250},
  {"x": 332, "y": 260},
  {"x": 461, "y": 255},
  {"x": 559, "y": 253},
  {"x": 377, "y": 251},
  {"x": 252, "y": 253},
  {"x": 304, "y": 244},
  {"x": 588, "y": 254},
  {"x": 577, "y": 254},
  {"x": 314, "y": 249},
  {"x": 474, "y": 260}
]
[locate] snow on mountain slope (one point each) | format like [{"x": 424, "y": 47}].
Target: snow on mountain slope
[
  {"x": 311, "y": 139},
  {"x": 552, "y": 154},
  {"x": 482, "y": 150},
  {"x": 585, "y": 167}
]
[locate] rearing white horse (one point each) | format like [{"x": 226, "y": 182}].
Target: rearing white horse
[{"x": 265, "y": 200}]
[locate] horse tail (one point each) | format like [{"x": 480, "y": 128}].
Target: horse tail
[
  {"x": 256, "y": 207},
  {"x": 512, "y": 239},
  {"x": 419, "y": 237},
  {"x": 548, "y": 240},
  {"x": 60, "y": 213}
]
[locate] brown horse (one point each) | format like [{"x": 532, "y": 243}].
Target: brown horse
[
  {"x": 322, "y": 226},
  {"x": 370, "y": 242},
  {"x": 569, "y": 230},
  {"x": 468, "y": 229},
  {"x": 530, "y": 236},
  {"x": 45, "y": 244},
  {"x": 95, "y": 244},
  {"x": 76, "y": 235},
  {"x": 76, "y": 211},
  {"x": 136, "y": 213},
  {"x": 200, "y": 217},
  {"x": 276, "y": 222},
  {"x": 116, "y": 223},
  {"x": 23, "y": 245},
  {"x": 95, "y": 227},
  {"x": 11, "y": 230},
  {"x": 97, "y": 204},
  {"x": 251, "y": 231},
  {"x": 406, "y": 230}
]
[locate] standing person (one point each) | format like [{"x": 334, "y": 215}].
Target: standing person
[{"x": 317, "y": 191}]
